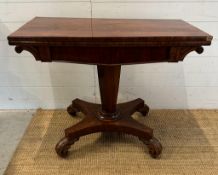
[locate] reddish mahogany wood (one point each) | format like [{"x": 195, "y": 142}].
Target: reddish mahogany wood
[
  {"x": 110, "y": 55},
  {"x": 108, "y": 43},
  {"x": 104, "y": 41},
  {"x": 43, "y": 29},
  {"x": 124, "y": 124},
  {"x": 109, "y": 77}
]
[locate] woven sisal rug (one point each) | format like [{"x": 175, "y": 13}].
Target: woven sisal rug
[{"x": 189, "y": 139}]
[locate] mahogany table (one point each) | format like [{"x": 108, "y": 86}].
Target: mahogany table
[{"x": 108, "y": 43}]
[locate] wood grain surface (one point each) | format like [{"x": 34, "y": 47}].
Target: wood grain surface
[{"x": 74, "y": 29}]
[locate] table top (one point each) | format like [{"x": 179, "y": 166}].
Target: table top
[{"x": 47, "y": 30}]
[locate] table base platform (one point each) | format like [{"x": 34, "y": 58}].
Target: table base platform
[{"x": 97, "y": 121}]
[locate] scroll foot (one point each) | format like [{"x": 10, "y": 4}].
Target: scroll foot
[
  {"x": 154, "y": 147},
  {"x": 144, "y": 110},
  {"x": 72, "y": 110},
  {"x": 63, "y": 146}
]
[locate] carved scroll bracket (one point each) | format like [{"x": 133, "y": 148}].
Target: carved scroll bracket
[
  {"x": 40, "y": 53},
  {"x": 33, "y": 50},
  {"x": 179, "y": 53}
]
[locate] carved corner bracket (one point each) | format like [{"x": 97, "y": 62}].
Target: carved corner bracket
[
  {"x": 179, "y": 53},
  {"x": 40, "y": 53},
  {"x": 33, "y": 50}
]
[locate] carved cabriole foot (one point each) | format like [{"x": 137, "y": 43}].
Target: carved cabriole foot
[{"x": 92, "y": 123}]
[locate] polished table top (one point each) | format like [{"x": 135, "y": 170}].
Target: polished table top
[{"x": 44, "y": 29}]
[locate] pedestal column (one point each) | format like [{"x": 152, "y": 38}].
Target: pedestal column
[{"x": 109, "y": 77}]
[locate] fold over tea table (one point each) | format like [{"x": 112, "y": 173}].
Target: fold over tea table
[{"x": 108, "y": 43}]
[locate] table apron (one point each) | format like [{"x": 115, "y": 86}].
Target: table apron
[{"x": 109, "y": 55}]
